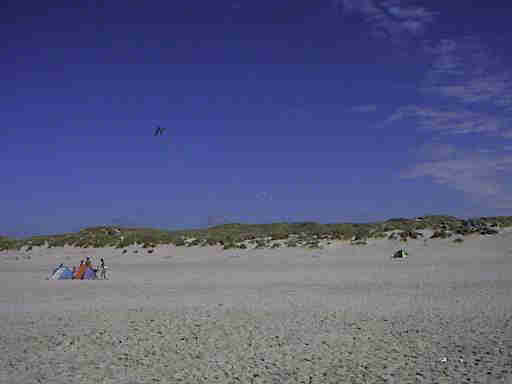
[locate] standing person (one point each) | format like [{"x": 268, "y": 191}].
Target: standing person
[
  {"x": 103, "y": 269},
  {"x": 77, "y": 270}
]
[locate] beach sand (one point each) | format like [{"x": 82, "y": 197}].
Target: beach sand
[{"x": 342, "y": 314}]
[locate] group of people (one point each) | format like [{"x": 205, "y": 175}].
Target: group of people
[{"x": 80, "y": 271}]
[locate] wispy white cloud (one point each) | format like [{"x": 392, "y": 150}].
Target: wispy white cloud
[
  {"x": 486, "y": 150},
  {"x": 466, "y": 71},
  {"x": 391, "y": 18},
  {"x": 474, "y": 87},
  {"x": 409, "y": 13},
  {"x": 467, "y": 90},
  {"x": 479, "y": 175},
  {"x": 475, "y": 94},
  {"x": 449, "y": 57},
  {"x": 451, "y": 120},
  {"x": 492, "y": 88},
  {"x": 364, "y": 108},
  {"x": 435, "y": 151},
  {"x": 264, "y": 196}
]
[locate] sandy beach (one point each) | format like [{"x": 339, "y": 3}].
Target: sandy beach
[{"x": 342, "y": 314}]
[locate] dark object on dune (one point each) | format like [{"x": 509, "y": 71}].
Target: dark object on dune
[
  {"x": 406, "y": 235},
  {"x": 414, "y": 235},
  {"x": 463, "y": 231},
  {"x": 441, "y": 234},
  {"x": 477, "y": 226},
  {"x": 358, "y": 239},
  {"x": 211, "y": 241},
  {"x": 400, "y": 254}
]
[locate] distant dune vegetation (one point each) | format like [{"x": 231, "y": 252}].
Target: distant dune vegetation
[{"x": 241, "y": 236}]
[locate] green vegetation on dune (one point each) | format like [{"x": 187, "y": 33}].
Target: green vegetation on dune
[
  {"x": 8, "y": 243},
  {"x": 241, "y": 236}
]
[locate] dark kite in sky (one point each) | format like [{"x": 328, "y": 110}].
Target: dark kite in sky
[{"x": 159, "y": 130}]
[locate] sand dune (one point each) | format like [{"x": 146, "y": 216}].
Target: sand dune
[{"x": 340, "y": 314}]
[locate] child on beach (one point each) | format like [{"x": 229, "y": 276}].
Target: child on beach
[{"x": 103, "y": 269}]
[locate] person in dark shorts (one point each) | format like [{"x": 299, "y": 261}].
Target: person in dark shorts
[{"x": 103, "y": 269}]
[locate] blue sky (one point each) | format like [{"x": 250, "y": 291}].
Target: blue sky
[{"x": 345, "y": 110}]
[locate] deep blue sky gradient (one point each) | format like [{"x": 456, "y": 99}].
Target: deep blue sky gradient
[{"x": 275, "y": 110}]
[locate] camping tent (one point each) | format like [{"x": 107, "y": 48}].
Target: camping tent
[
  {"x": 89, "y": 274},
  {"x": 62, "y": 273},
  {"x": 57, "y": 268},
  {"x": 80, "y": 271}
]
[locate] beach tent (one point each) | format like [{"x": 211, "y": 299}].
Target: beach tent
[
  {"x": 89, "y": 274},
  {"x": 80, "y": 271},
  {"x": 400, "y": 254},
  {"x": 62, "y": 273},
  {"x": 57, "y": 268}
]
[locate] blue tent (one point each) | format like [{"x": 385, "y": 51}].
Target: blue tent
[
  {"x": 89, "y": 274},
  {"x": 57, "y": 268},
  {"x": 62, "y": 273}
]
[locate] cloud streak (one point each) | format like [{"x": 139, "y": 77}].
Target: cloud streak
[
  {"x": 471, "y": 94},
  {"x": 466, "y": 90},
  {"x": 264, "y": 196},
  {"x": 394, "y": 19},
  {"x": 474, "y": 88},
  {"x": 492, "y": 88},
  {"x": 451, "y": 120},
  {"x": 476, "y": 174},
  {"x": 467, "y": 71},
  {"x": 436, "y": 151}
]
